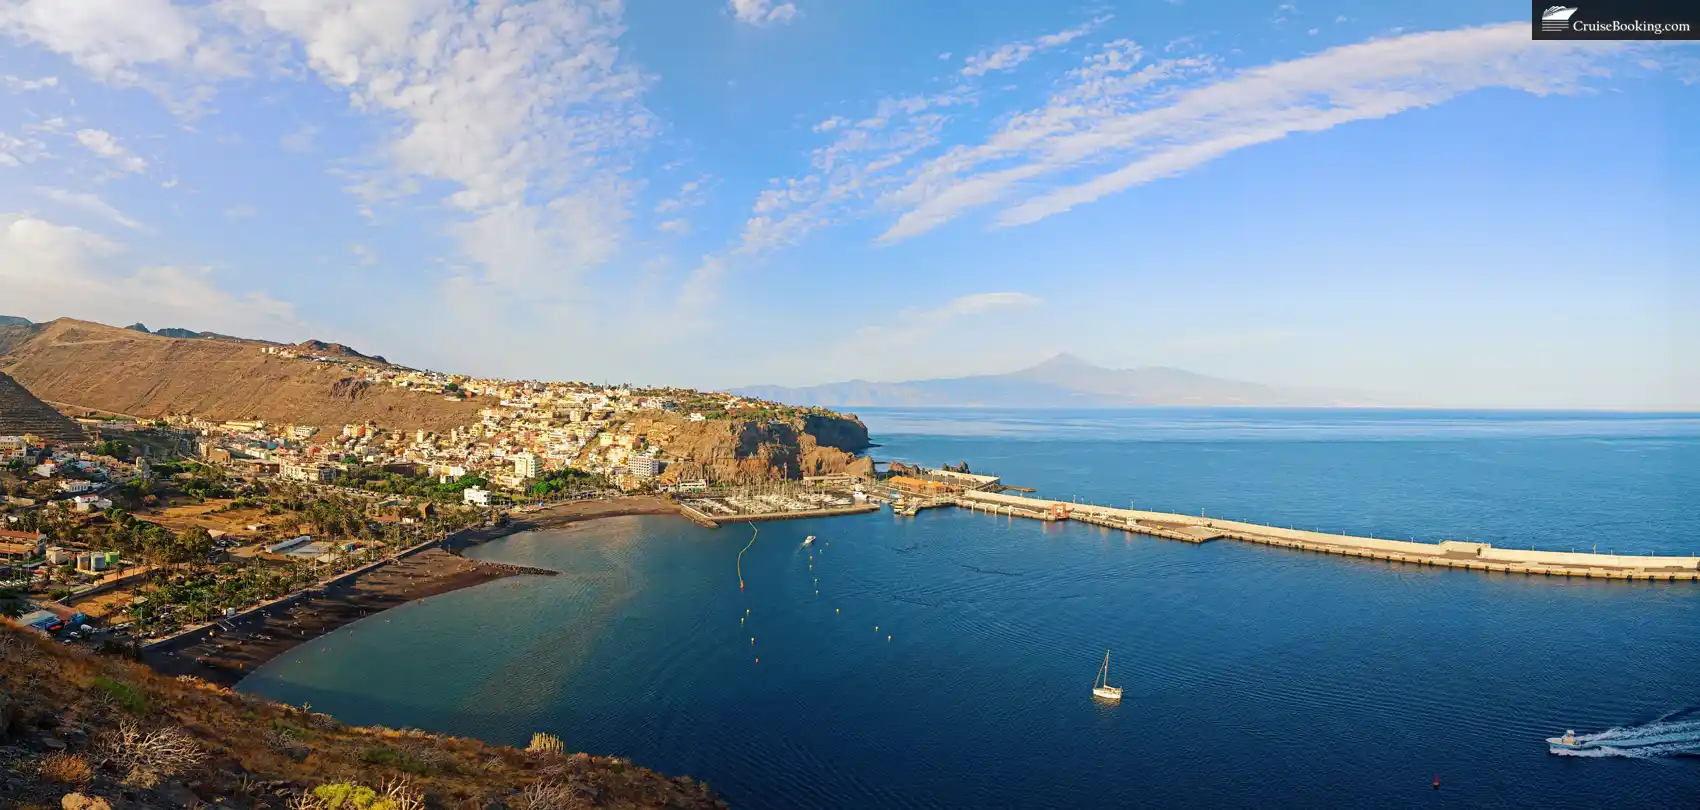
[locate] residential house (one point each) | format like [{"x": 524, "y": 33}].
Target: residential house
[{"x": 22, "y": 545}]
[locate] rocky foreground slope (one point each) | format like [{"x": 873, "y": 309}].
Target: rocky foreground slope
[{"x": 82, "y": 731}]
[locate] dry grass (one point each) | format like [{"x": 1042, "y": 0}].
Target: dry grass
[
  {"x": 151, "y": 756},
  {"x": 66, "y": 769}
]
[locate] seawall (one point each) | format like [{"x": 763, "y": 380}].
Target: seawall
[{"x": 1448, "y": 553}]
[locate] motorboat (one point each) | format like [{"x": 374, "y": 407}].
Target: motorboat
[
  {"x": 1568, "y": 742},
  {"x": 1101, "y": 687},
  {"x": 809, "y": 541}
]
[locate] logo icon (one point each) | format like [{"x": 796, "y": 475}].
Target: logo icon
[{"x": 1557, "y": 18}]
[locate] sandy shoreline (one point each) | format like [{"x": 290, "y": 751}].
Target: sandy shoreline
[{"x": 231, "y": 656}]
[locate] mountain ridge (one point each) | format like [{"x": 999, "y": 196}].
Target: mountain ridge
[{"x": 1062, "y": 381}]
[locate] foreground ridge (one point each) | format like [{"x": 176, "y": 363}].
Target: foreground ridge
[{"x": 80, "y": 729}]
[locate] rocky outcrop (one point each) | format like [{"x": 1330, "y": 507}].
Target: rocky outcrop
[{"x": 749, "y": 450}]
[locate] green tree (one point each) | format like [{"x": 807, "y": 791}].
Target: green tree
[
  {"x": 11, "y": 603},
  {"x": 192, "y": 547}
]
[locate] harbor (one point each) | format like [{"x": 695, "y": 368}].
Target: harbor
[
  {"x": 912, "y": 490},
  {"x": 771, "y": 502}
]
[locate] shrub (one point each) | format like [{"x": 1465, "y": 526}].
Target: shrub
[
  {"x": 396, "y": 794},
  {"x": 68, "y": 769},
  {"x": 152, "y": 756},
  {"x": 395, "y": 758},
  {"x": 545, "y": 743},
  {"x": 128, "y": 697}
]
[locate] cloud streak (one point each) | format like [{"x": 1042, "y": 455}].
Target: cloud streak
[
  {"x": 763, "y": 12},
  {"x": 90, "y": 204},
  {"x": 1123, "y": 121},
  {"x": 105, "y": 145},
  {"x": 1008, "y": 57}
]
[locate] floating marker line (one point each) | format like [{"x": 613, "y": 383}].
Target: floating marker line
[{"x": 741, "y": 557}]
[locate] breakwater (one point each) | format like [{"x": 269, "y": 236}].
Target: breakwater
[{"x": 1447, "y": 553}]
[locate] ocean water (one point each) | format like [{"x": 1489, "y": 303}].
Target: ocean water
[{"x": 946, "y": 660}]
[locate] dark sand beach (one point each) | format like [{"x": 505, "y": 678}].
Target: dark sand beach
[{"x": 230, "y": 655}]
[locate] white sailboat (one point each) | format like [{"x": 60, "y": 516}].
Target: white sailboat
[{"x": 1101, "y": 687}]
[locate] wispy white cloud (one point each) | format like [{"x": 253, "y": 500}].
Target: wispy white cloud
[
  {"x": 677, "y": 227},
  {"x": 50, "y": 270},
  {"x": 16, "y": 151},
  {"x": 22, "y": 85},
  {"x": 1007, "y": 57},
  {"x": 89, "y": 204},
  {"x": 691, "y": 194},
  {"x": 241, "y": 211},
  {"x": 914, "y": 326},
  {"x": 133, "y": 42},
  {"x": 1161, "y": 121},
  {"x": 762, "y": 12},
  {"x": 366, "y": 256},
  {"x": 104, "y": 144},
  {"x": 525, "y": 109},
  {"x": 862, "y": 158},
  {"x": 299, "y": 140}
]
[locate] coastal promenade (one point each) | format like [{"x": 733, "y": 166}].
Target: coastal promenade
[{"x": 1447, "y": 553}]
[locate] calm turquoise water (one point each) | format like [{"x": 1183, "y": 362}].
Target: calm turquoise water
[{"x": 1252, "y": 676}]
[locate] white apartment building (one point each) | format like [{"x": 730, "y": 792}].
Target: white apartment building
[
  {"x": 528, "y": 465},
  {"x": 645, "y": 467}
]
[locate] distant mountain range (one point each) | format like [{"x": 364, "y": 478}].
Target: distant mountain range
[{"x": 1061, "y": 382}]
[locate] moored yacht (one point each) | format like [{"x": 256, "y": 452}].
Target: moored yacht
[{"x": 1101, "y": 687}]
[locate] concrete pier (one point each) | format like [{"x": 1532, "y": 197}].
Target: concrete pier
[{"x": 1448, "y": 553}]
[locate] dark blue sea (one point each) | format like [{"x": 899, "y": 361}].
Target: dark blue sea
[{"x": 946, "y": 660}]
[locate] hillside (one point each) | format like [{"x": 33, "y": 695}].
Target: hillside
[
  {"x": 104, "y": 368},
  {"x": 22, "y": 413},
  {"x": 103, "y": 728},
  {"x": 1060, "y": 382}
]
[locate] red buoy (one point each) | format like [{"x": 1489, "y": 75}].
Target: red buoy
[{"x": 1437, "y": 781}]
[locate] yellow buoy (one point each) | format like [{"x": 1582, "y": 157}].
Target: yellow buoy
[
  {"x": 836, "y": 610},
  {"x": 876, "y": 628}
]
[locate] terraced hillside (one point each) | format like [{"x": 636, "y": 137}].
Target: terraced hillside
[
  {"x": 21, "y": 412},
  {"x": 105, "y": 368}
]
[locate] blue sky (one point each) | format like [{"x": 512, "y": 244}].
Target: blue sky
[{"x": 1374, "y": 196}]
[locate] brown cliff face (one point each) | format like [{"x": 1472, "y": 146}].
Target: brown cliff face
[
  {"x": 90, "y": 365},
  {"x": 747, "y": 451}
]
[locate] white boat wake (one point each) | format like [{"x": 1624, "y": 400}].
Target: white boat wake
[{"x": 1660, "y": 739}]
